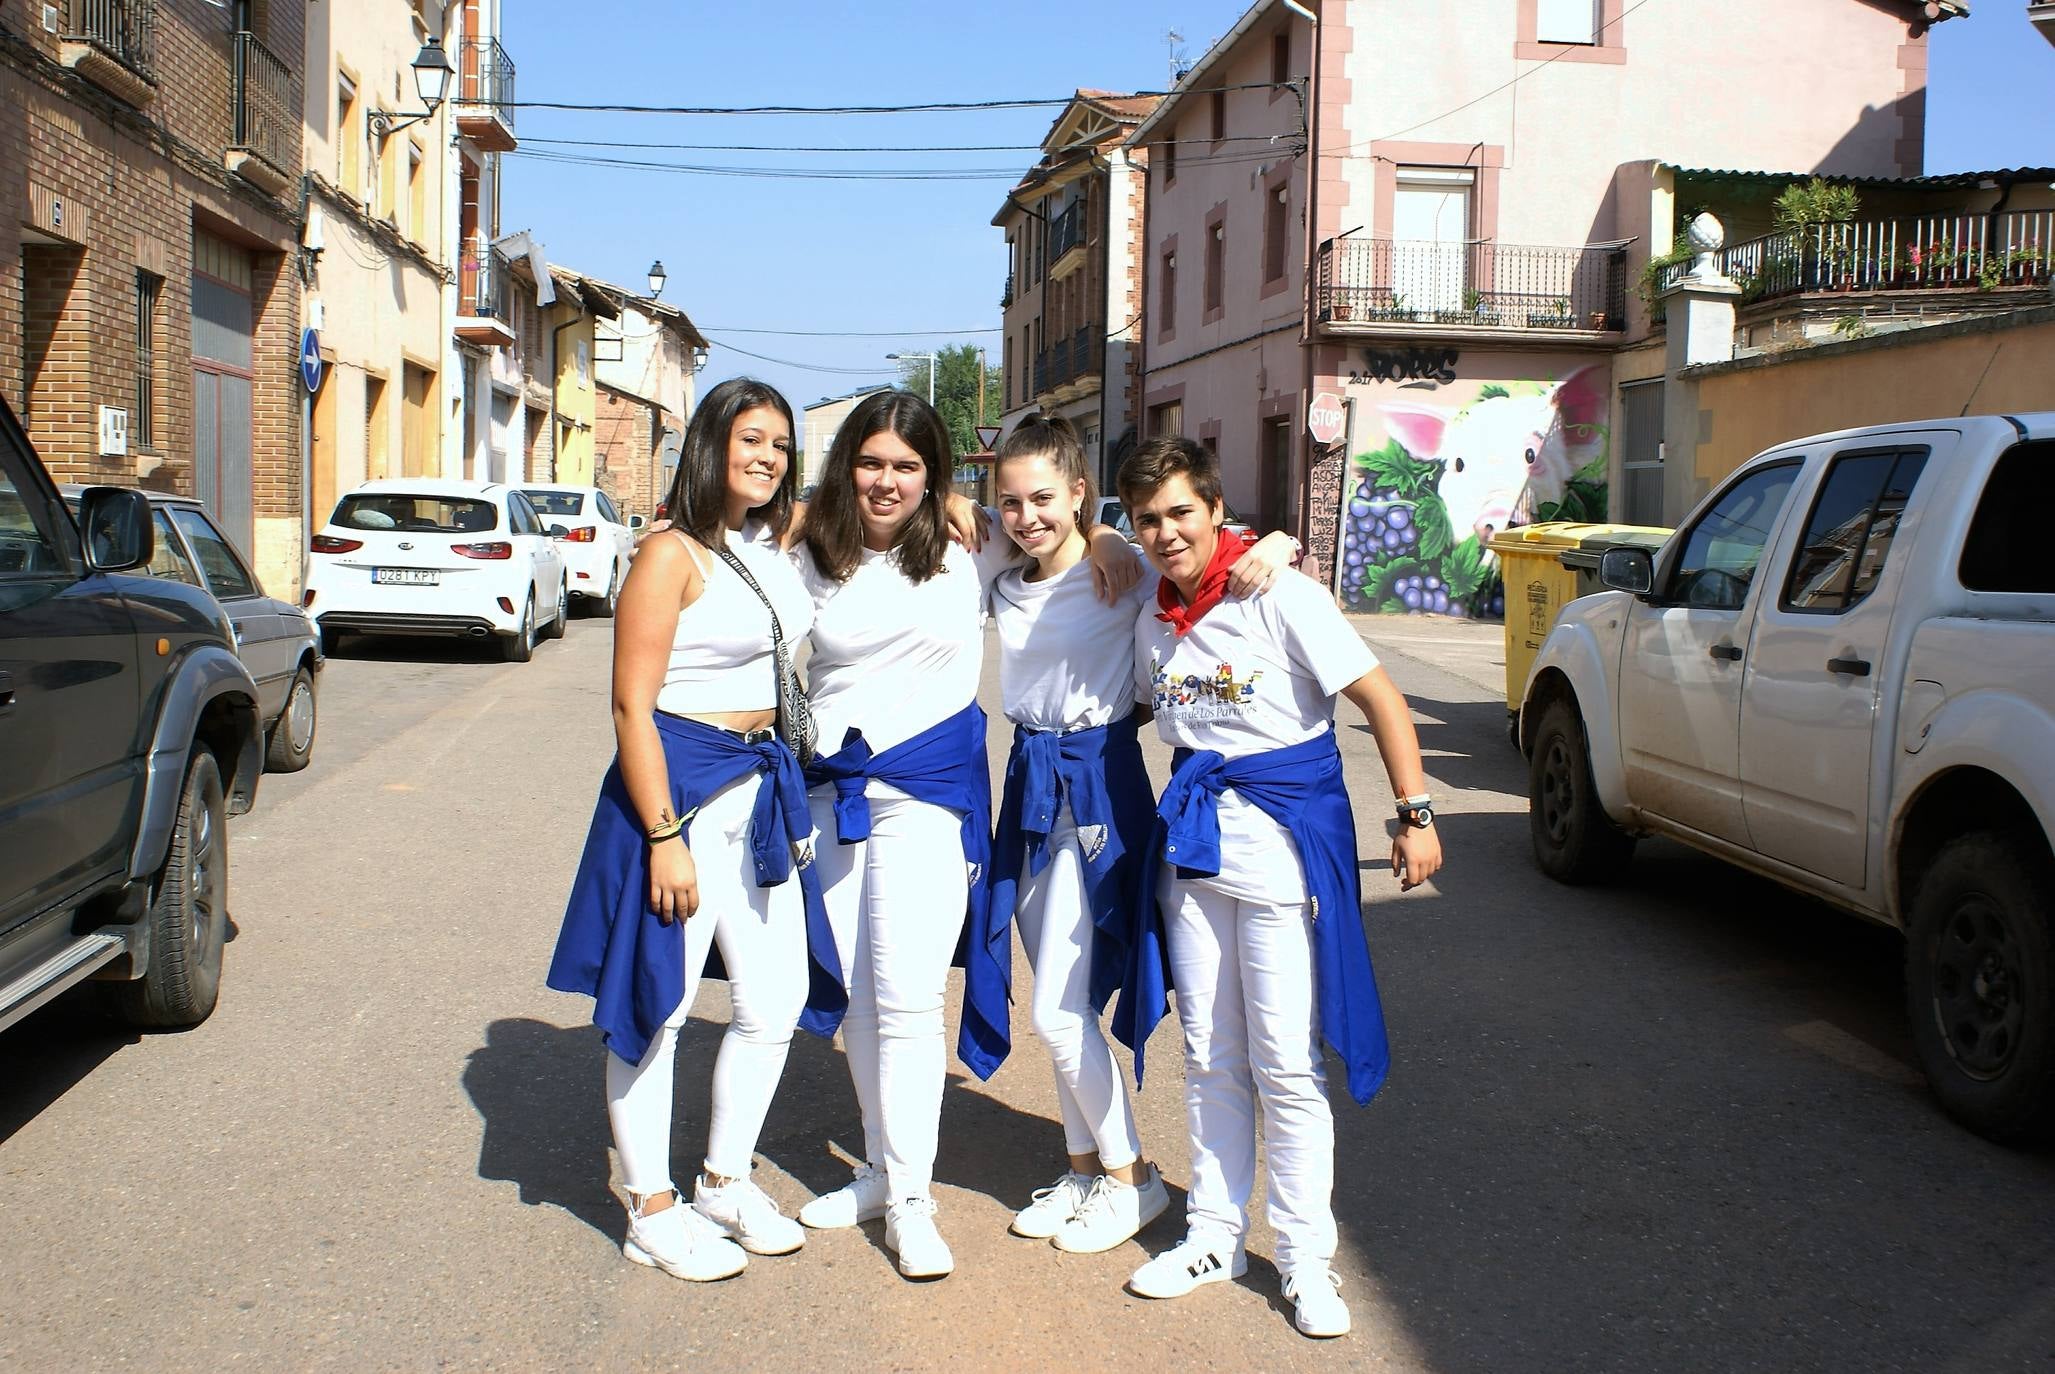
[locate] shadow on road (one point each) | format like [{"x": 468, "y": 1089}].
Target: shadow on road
[
  {"x": 419, "y": 649},
  {"x": 540, "y": 1091},
  {"x": 49, "y": 1052}
]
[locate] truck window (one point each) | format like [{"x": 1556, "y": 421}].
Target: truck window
[
  {"x": 2006, "y": 550},
  {"x": 1849, "y": 533},
  {"x": 1721, "y": 552}
]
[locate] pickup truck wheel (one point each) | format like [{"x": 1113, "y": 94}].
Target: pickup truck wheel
[
  {"x": 189, "y": 914},
  {"x": 291, "y": 746},
  {"x": 1980, "y": 986},
  {"x": 1574, "y": 840}
]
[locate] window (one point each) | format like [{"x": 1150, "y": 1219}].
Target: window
[
  {"x": 1219, "y": 115},
  {"x": 1276, "y": 225},
  {"x": 377, "y": 451},
  {"x": 37, "y": 544},
  {"x": 417, "y": 196},
  {"x": 1722, "y": 550},
  {"x": 1167, "y": 304},
  {"x": 1280, "y": 57},
  {"x": 521, "y": 516},
  {"x": 142, "y": 420},
  {"x": 2006, "y": 551},
  {"x": 1566, "y": 21},
  {"x": 1169, "y": 155},
  {"x": 347, "y": 163},
  {"x": 377, "y": 197},
  {"x": 1849, "y": 532},
  {"x": 607, "y": 510},
  {"x": 556, "y": 502},
  {"x": 169, "y": 559},
  {"x": 1216, "y": 266},
  {"x": 1006, "y": 371},
  {"x": 417, "y": 514},
  {"x": 1641, "y": 453},
  {"x": 226, "y": 576},
  {"x": 1166, "y": 421}
]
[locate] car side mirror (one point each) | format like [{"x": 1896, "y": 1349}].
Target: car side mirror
[
  {"x": 555, "y": 531},
  {"x": 636, "y": 522},
  {"x": 1627, "y": 570},
  {"x": 118, "y": 531}
]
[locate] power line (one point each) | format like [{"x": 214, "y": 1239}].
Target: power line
[
  {"x": 802, "y": 367},
  {"x": 852, "y": 333},
  {"x": 932, "y": 107},
  {"x": 858, "y": 173},
  {"x": 879, "y": 148}
]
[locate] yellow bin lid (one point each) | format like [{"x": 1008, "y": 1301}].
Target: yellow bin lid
[{"x": 1548, "y": 534}]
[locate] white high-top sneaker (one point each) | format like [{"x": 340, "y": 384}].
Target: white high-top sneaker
[
  {"x": 863, "y": 1198},
  {"x": 749, "y": 1216},
  {"x": 683, "y": 1243}
]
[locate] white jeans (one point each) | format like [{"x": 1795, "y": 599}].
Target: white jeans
[
  {"x": 896, "y": 903},
  {"x": 762, "y": 935},
  {"x": 1246, "y": 999},
  {"x": 1056, "y": 929}
]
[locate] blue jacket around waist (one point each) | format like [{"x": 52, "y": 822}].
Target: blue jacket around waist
[
  {"x": 1300, "y": 788},
  {"x": 615, "y": 950},
  {"x": 944, "y": 765},
  {"x": 1100, "y": 772}
]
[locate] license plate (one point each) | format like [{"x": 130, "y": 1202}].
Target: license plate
[{"x": 405, "y": 577}]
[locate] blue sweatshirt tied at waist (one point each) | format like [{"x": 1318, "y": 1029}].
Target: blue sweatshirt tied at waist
[
  {"x": 615, "y": 950},
  {"x": 1300, "y": 788},
  {"x": 944, "y": 765},
  {"x": 1100, "y": 772}
]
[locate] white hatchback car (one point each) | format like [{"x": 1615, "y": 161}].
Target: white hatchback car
[
  {"x": 597, "y": 541},
  {"x": 429, "y": 556}
]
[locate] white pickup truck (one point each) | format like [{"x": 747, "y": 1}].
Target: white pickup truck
[{"x": 1840, "y": 673}]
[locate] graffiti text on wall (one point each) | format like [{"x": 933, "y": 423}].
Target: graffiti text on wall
[{"x": 1407, "y": 365}]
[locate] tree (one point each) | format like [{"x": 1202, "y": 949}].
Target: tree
[{"x": 956, "y": 391}]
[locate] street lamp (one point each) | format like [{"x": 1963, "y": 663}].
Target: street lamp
[
  {"x": 657, "y": 278},
  {"x": 432, "y": 72},
  {"x": 909, "y": 357}
]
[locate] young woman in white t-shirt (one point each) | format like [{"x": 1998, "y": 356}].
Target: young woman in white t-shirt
[
  {"x": 1076, "y": 812},
  {"x": 897, "y": 649},
  {"x": 1255, "y": 830},
  {"x": 672, "y": 870}
]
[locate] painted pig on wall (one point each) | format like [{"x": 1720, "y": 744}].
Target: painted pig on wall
[{"x": 1449, "y": 477}]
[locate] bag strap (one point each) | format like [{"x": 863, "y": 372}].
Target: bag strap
[{"x": 727, "y": 555}]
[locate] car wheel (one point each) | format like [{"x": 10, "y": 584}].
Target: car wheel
[
  {"x": 291, "y": 746},
  {"x": 604, "y": 608},
  {"x": 1574, "y": 840},
  {"x": 519, "y": 646},
  {"x": 561, "y": 621},
  {"x": 1980, "y": 985},
  {"x": 189, "y": 912},
  {"x": 331, "y": 640}
]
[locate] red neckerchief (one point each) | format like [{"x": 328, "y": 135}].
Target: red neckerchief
[{"x": 1212, "y": 587}]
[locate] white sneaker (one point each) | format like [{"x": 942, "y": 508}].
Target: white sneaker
[
  {"x": 680, "y": 1241},
  {"x": 1199, "y": 1259},
  {"x": 1112, "y": 1213},
  {"x": 910, "y": 1234},
  {"x": 1321, "y": 1312},
  {"x": 746, "y": 1213},
  {"x": 863, "y": 1198},
  {"x": 1052, "y": 1206}
]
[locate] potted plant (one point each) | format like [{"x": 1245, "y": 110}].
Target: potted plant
[
  {"x": 1475, "y": 306},
  {"x": 1557, "y": 317}
]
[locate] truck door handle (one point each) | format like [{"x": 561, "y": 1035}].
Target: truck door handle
[
  {"x": 1854, "y": 667},
  {"x": 1731, "y": 653}
]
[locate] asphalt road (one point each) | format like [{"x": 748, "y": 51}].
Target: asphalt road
[{"x": 1670, "y": 1124}]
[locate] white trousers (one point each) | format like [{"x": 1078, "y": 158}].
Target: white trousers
[
  {"x": 1055, "y": 919},
  {"x": 1246, "y": 1000},
  {"x": 896, "y": 903},
  {"x": 762, "y": 935}
]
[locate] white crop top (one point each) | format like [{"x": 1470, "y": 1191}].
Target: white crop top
[{"x": 721, "y": 657}]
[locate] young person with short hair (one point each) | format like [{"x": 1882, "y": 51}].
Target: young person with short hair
[
  {"x": 1251, "y": 897},
  {"x": 697, "y": 839}
]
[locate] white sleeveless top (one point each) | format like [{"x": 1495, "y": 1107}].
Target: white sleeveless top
[{"x": 721, "y": 656}]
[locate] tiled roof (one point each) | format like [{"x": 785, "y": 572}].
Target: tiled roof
[{"x": 1946, "y": 181}]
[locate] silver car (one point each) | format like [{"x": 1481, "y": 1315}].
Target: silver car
[{"x": 275, "y": 639}]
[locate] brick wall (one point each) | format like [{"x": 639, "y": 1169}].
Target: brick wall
[{"x": 625, "y": 431}]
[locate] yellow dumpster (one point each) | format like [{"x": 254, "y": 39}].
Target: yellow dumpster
[{"x": 1537, "y": 586}]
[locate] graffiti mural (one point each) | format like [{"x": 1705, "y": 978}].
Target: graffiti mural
[{"x": 1421, "y": 507}]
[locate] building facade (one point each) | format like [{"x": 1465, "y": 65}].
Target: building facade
[
  {"x": 150, "y": 302},
  {"x": 818, "y": 424},
  {"x": 1461, "y": 272},
  {"x": 1072, "y": 303},
  {"x": 644, "y": 372}
]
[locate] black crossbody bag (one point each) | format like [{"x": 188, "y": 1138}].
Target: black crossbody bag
[{"x": 795, "y": 716}]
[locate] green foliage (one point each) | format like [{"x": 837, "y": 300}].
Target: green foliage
[
  {"x": 1583, "y": 501},
  {"x": 1490, "y": 391},
  {"x": 1464, "y": 569},
  {"x": 1388, "y": 577},
  {"x": 1399, "y": 472},
  {"x": 956, "y": 391},
  {"x": 1651, "y": 274},
  {"x": 1816, "y": 202},
  {"x": 1431, "y": 523},
  {"x": 1852, "y": 327}
]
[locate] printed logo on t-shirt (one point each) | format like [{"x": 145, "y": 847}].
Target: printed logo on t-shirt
[{"x": 1203, "y": 698}]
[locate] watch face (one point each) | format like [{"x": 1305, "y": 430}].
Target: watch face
[{"x": 1420, "y": 817}]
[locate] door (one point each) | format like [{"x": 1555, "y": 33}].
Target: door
[
  {"x": 1277, "y": 473},
  {"x": 68, "y": 705},
  {"x": 545, "y": 564},
  {"x": 1681, "y": 669},
  {"x": 1809, "y": 705},
  {"x": 1430, "y": 230},
  {"x": 502, "y": 440},
  {"x": 224, "y": 331}
]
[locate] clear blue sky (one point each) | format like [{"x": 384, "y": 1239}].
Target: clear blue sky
[{"x": 774, "y": 253}]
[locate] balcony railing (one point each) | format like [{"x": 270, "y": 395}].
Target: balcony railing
[
  {"x": 125, "y": 30},
  {"x": 263, "y": 104},
  {"x": 485, "y": 87},
  {"x": 1076, "y": 358},
  {"x": 482, "y": 282},
  {"x": 1489, "y": 285},
  {"x": 1066, "y": 231},
  {"x": 1006, "y": 294},
  {"x": 1914, "y": 253}
]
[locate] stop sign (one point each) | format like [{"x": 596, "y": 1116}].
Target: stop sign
[{"x": 1324, "y": 417}]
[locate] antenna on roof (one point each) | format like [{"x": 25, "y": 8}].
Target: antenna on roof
[{"x": 1178, "y": 66}]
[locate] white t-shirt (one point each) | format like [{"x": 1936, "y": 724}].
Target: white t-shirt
[
  {"x": 1255, "y": 674},
  {"x": 1066, "y": 658},
  {"x": 891, "y": 656}
]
